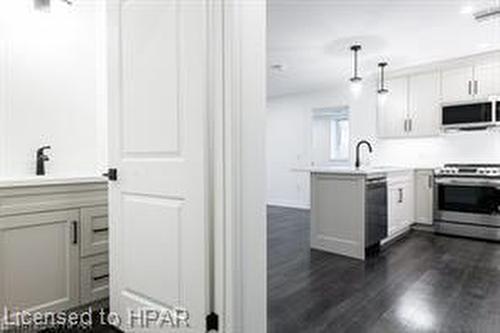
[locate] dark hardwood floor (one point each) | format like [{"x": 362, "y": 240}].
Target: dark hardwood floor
[{"x": 422, "y": 283}]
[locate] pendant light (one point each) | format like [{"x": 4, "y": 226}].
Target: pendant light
[
  {"x": 383, "y": 90},
  {"x": 356, "y": 78}
]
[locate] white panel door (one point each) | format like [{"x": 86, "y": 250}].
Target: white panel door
[
  {"x": 158, "y": 137},
  {"x": 424, "y": 97},
  {"x": 393, "y": 109},
  {"x": 457, "y": 84},
  {"x": 39, "y": 261},
  {"x": 487, "y": 79}
]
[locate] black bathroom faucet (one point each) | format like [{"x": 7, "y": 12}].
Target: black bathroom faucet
[{"x": 41, "y": 158}]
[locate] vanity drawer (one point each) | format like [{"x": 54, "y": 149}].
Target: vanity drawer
[
  {"x": 94, "y": 229},
  {"x": 94, "y": 278}
]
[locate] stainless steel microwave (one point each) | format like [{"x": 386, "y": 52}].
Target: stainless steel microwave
[{"x": 470, "y": 116}]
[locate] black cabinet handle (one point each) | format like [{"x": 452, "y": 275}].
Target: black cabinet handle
[
  {"x": 75, "y": 232},
  {"x": 102, "y": 277},
  {"x": 96, "y": 231},
  {"x": 400, "y": 195}
]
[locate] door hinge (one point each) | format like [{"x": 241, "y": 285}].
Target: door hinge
[
  {"x": 112, "y": 175},
  {"x": 212, "y": 321}
]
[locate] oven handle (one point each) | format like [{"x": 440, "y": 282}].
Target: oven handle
[{"x": 468, "y": 182}]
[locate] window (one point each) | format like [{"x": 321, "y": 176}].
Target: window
[
  {"x": 330, "y": 135},
  {"x": 339, "y": 139}
]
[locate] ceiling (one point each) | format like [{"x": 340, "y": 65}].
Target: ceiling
[{"x": 309, "y": 40}]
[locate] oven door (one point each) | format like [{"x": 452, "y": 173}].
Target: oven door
[{"x": 468, "y": 200}]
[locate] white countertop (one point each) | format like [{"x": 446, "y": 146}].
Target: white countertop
[
  {"x": 353, "y": 171},
  {"x": 22, "y": 181}
]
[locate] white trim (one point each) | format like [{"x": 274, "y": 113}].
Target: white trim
[{"x": 243, "y": 117}]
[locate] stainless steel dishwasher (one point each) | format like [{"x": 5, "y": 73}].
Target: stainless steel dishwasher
[{"x": 375, "y": 210}]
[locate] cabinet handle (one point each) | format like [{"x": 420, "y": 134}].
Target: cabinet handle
[
  {"x": 476, "y": 87},
  {"x": 470, "y": 87},
  {"x": 410, "y": 124},
  {"x": 75, "y": 232},
  {"x": 102, "y": 277},
  {"x": 96, "y": 231},
  {"x": 430, "y": 181},
  {"x": 400, "y": 200}
]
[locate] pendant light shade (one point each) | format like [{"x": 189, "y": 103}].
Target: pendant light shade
[
  {"x": 355, "y": 78},
  {"x": 382, "y": 90}
]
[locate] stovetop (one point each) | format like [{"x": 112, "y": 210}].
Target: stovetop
[{"x": 470, "y": 170}]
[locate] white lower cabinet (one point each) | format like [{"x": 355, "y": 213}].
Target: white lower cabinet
[
  {"x": 39, "y": 261},
  {"x": 400, "y": 201},
  {"x": 424, "y": 196},
  {"x": 53, "y": 246}
]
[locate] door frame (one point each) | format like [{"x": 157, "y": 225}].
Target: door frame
[
  {"x": 236, "y": 65},
  {"x": 237, "y": 69}
]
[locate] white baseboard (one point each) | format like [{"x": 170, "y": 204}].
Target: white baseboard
[{"x": 287, "y": 204}]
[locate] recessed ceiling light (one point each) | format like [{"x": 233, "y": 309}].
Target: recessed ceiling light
[{"x": 467, "y": 9}]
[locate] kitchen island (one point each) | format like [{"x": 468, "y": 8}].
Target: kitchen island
[{"x": 354, "y": 209}]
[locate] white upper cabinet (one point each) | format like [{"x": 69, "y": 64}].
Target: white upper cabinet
[
  {"x": 393, "y": 109},
  {"x": 457, "y": 84},
  {"x": 471, "y": 83},
  {"x": 487, "y": 80},
  {"x": 423, "y": 111},
  {"x": 411, "y": 108}
]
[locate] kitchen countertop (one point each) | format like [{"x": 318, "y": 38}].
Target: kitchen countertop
[
  {"x": 25, "y": 181},
  {"x": 363, "y": 171}
]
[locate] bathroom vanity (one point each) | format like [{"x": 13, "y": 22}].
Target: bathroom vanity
[{"x": 53, "y": 242}]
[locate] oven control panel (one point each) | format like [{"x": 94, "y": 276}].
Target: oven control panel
[{"x": 470, "y": 170}]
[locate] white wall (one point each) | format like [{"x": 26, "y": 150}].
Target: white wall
[
  {"x": 52, "y": 84},
  {"x": 289, "y": 134}
]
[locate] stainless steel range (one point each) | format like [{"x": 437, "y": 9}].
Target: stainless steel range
[{"x": 467, "y": 200}]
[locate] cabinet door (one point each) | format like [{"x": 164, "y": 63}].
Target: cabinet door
[
  {"x": 394, "y": 210},
  {"x": 456, "y": 84},
  {"x": 424, "y": 197},
  {"x": 487, "y": 79},
  {"x": 424, "y": 96},
  {"x": 401, "y": 202},
  {"x": 94, "y": 225},
  {"x": 393, "y": 109},
  {"x": 407, "y": 204},
  {"x": 39, "y": 261}
]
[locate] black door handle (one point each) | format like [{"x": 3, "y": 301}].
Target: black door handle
[{"x": 112, "y": 175}]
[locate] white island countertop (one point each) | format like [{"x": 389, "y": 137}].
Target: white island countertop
[
  {"x": 25, "y": 181},
  {"x": 345, "y": 170}
]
